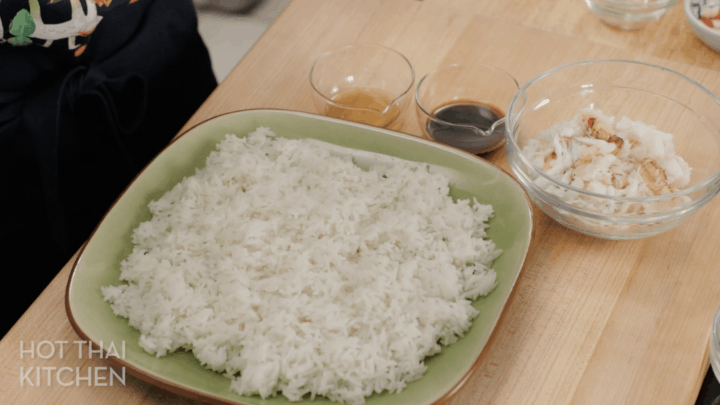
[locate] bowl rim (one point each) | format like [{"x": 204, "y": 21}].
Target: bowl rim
[
  {"x": 715, "y": 344},
  {"x": 357, "y": 46},
  {"x": 649, "y": 6},
  {"x": 452, "y": 66},
  {"x": 695, "y": 22},
  {"x": 659, "y": 216},
  {"x": 511, "y": 141}
]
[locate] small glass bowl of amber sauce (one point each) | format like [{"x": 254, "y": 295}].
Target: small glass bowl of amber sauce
[
  {"x": 364, "y": 83},
  {"x": 463, "y": 105}
]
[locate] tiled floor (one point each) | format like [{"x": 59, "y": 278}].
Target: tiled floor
[{"x": 229, "y": 36}]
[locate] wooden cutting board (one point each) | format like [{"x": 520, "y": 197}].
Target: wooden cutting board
[{"x": 591, "y": 321}]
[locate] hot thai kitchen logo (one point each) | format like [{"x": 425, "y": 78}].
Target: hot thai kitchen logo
[{"x": 99, "y": 376}]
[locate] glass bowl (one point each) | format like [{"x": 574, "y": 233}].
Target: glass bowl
[
  {"x": 629, "y": 14},
  {"x": 463, "y": 105},
  {"x": 653, "y": 95},
  {"x": 364, "y": 83},
  {"x": 715, "y": 345}
]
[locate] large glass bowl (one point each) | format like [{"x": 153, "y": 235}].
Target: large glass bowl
[{"x": 670, "y": 101}]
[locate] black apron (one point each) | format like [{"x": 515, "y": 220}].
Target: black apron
[{"x": 80, "y": 116}]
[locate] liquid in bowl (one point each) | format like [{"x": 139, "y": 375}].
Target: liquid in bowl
[
  {"x": 479, "y": 115},
  {"x": 364, "y": 105}
]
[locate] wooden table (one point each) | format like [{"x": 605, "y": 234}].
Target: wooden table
[{"x": 591, "y": 321}]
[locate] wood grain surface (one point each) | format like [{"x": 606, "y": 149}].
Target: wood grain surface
[{"x": 590, "y": 321}]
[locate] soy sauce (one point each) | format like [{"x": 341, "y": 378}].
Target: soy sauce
[{"x": 472, "y": 113}]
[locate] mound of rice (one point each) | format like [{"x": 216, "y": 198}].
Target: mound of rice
[{"x": 291, "y": 270}]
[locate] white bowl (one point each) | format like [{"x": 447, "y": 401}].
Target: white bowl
[{"x": 709, "y": 36}]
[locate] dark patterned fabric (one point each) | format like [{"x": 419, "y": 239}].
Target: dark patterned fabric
[{"x": 90, "y": 91}]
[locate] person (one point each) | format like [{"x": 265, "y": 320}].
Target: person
[
  {"x": 90, "y": 92},
  {"x": 228, "y": 5}
]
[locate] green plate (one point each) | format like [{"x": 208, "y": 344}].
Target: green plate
[{"x": 99, "y": 262}]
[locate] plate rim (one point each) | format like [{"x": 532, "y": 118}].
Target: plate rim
[{"x": 216, "y": 400}]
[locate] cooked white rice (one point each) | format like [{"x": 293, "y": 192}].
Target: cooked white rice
[{"x": 291, "y": 270}]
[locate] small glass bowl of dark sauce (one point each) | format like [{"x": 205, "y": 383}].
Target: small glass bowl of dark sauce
[{"x": 462, "y": 105}]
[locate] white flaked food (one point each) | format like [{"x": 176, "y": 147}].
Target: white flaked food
[
  {"x": 600, "y": 154},
  {"x": 290, "y": 270}
]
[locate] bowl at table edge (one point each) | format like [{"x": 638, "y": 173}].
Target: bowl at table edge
[
  {"x": 99, "y": 262},
  {"x": 655, "y": 95},
  {"x": 709, "y": 36},
  {"x": 715, "y": 345},
  {"x": 629, "y": 15}
]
